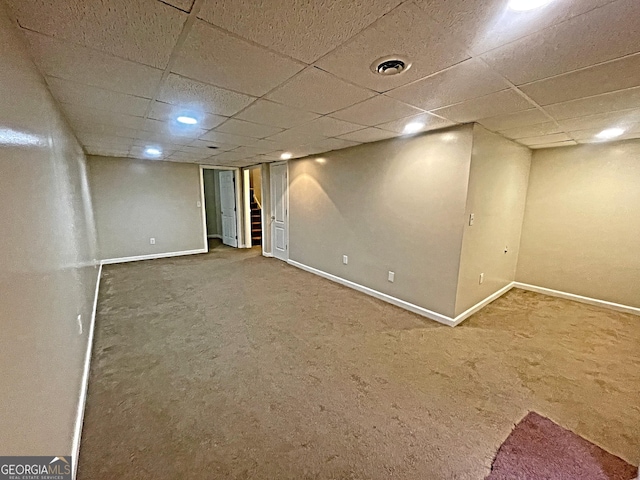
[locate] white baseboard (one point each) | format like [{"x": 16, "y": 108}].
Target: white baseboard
[
  {"x": 84, "y": 385},
  {"x": 153, "y": 256},
  {"x": 215, "y": 235},
  {"x": 268, "y": 255},
  {"x": 578, "y": 298},
  {"x": 470, "y": 311},
  {"x": 438, "y": 317}
]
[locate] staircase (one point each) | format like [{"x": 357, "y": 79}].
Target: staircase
[{"x": 256, "y": 221}]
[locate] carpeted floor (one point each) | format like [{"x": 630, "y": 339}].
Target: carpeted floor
[{"x": 234, "y": 366}]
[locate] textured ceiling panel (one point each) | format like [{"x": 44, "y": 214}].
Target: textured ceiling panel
[
  {"x": 369, "y": 134},
  {"x": 212, "y": 56},
  {"x": 66, "y": 60},
  {"x": 184, "y": 5},
  {"x": 167, "y": 112},
  {"x": 431, "y": 122},
  {"x": 603, "y": 78},
  {"x": 184, "y": 92},
  {"x": 608, "y": 102},
  {"x": 546, "y": 128},
  {"x": 376, "y": 110},
  {"x": 483, "y": 25},
  {"x": 303, "y": 29},
  {"x": 319, "y": 92},
  {"x": 499, "y": 103},
  {"x": 242, "y": 127},
  {"x": 469, "y": 79},
  {"x": 512, "y": 120},
  {"x": 66, "y": 91},
  {"x": 144, "y": 31},
  {"x": 276, "y": 114},
  {"x": 571, "y": 45},
  {"x": 408, "y": 31}
]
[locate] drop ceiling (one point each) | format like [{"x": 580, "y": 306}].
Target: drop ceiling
[{"x": 268, "y": 76}]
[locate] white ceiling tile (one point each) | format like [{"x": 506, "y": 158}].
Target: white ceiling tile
[
  {"x": 66, "y": 91},
  {"x": 201, "y": 144},
  {"x": 79, "y": 114},
  {"x": 370, "y": 134},
  {"x": 625, "y": 119},
  {"x": 229, "y": 139},
  {"x": 376, "y": 110},
  {"x": 607, "y": 102},
  {"x": 167, "y": 112},
  {"x": 139, "y": 152},
  {"x": 329, "y": 144},
  {"x": 319, "y": 92},
  {"x": 602, "y": 34},
  {"x": 431, "y": 122},
  {"x": 218, "y": 58},
  {"x": 513, "y": 120},
  {"x": 590, "y": 135},
  {"x": 469, "y": 79},
  {"x": 276, "y": 114},
  {"x": 106, "y": 151},
  {"x": 252, "y": 151},
  {"x": 300, "y": 28},
  {"x": 66, "y": 60},
  {"x": 529, "y": 131},
  {"x": 188, "y": 93},
  {"x": 144, "y": 31},
  {"x": 184, "y": 5},
  {"x": 494, "y": 104},
  {"x": 294, "y": 136},
  {"x": 102, "y": 139},
  {"x": 608, "y": 77},
  {"x": 567, "y": 143},
  {"x": 227, "y": 157},
  {"x": 326, "y": 127},
  {"x": 164, "y": 138},
  {"x": 111, "y": 130},
  {"x": 407, "y": 30},
  {"x": 545, "y": 139},
  {"x": 483, "y": 25},
  {"x": 172, "y": 129},
  {"x": 248, "y": 129}
]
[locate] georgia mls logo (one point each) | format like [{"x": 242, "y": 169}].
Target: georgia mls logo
[{"x": 35, "y": 468}]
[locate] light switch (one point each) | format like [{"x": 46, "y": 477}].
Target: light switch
[
  {"x": 472, "y": 217},
  {"x": 345, "y": 259},
  {"x": 392, "y": 276}
]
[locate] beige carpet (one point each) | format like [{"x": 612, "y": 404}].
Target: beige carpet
[{"x": 233, "y": 366}]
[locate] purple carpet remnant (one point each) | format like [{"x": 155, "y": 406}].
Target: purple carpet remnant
[{"x": 539, "y": 449}]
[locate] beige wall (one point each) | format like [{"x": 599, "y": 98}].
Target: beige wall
[
  {"x": 497, "y": 191},
  {"x": 47, "y": 261},
  {"x": 394, "y": 205},
  {"x": 581, "y": 230},
  {"x": 135, "y": 200}
]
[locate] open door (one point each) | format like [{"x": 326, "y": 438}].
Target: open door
[
  {"x": 279, "y": 223},
  {"x": 228, "y": 208}
]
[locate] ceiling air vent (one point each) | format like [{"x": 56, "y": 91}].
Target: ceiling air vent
[{"x": 388, "y": 66}]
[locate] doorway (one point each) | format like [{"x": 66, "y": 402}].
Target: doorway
[
  {"x": 253, "y": 202},
  {"x": 221, "y": 199},
  {"x": 279, "y": 211}
]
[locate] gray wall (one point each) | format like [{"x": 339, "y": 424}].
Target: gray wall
[
  {"x": 395, "y": 205},
  {"x": 212, "y": 201},
  {"x": 582, "y": 222},
  {"x": 497, "y": 192},
  {"x": 135, "y": 200},
  {"x": 47, "y": 261}
]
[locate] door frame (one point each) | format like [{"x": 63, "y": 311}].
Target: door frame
[
  {"x": 238, "y": 194},
  {"x": 272, "y": 206},
  {"x": 246, "y": 185}
]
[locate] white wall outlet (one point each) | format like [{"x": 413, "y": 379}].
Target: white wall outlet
[
  {"x": 345, "y": 259},
  {"x": 481, "y": 278},
  {"x": 472, "y": 217},
  {"x": 152, "y": 241},
  {"x": 198, "y": 204},
  {"x": 392, "y": 276}
]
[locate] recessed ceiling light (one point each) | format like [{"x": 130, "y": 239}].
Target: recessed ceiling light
[
  {"x": 286, "y": 156},
  {"x": 187, "y": 120},
  {"x": 413, "y": 127},
  {"x": 610, "y": 133},
  {"x": 525, "y": 5},
  {"x": 153, "y": 152}
]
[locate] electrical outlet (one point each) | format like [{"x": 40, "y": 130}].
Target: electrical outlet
[
  {"x": 472, "y": 217},
  {"x": 392, "y": 276},
  {"x": 198, "y": 204},
  {"x": 152, "y": 241},
  {"x": 345, "y": 259},
  {"x": 506, "y": 249},
  {"x": 481, "y": 278}
]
